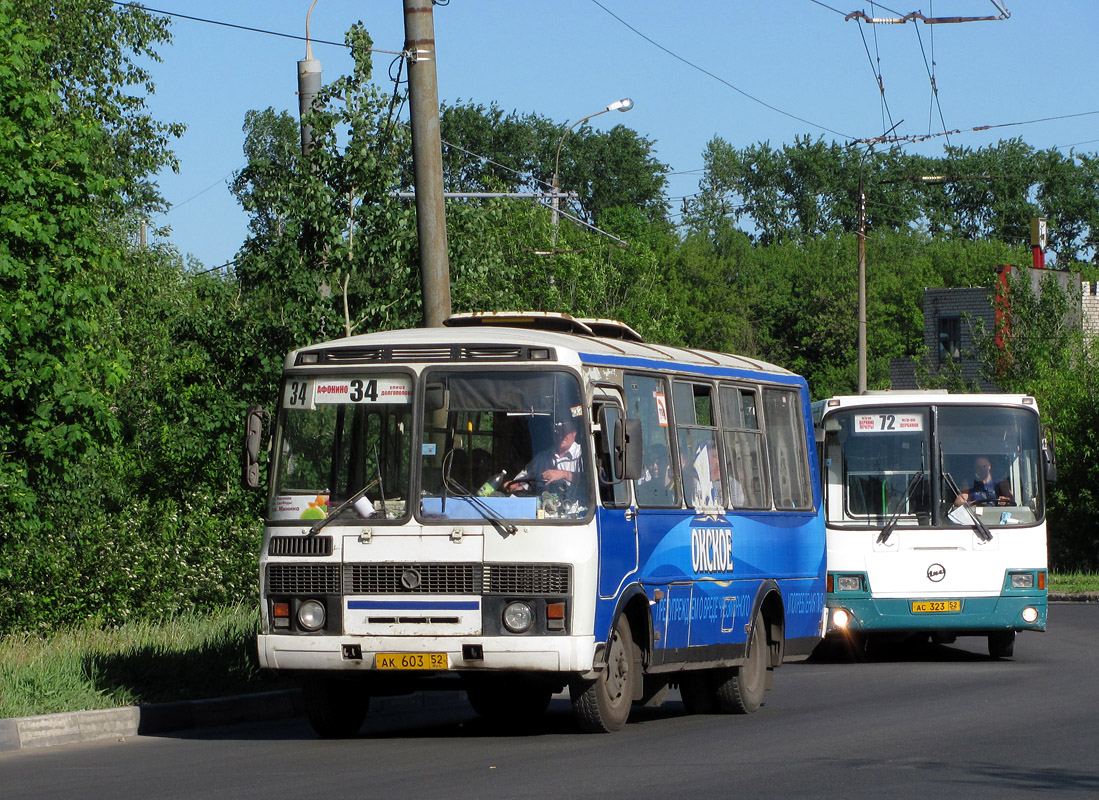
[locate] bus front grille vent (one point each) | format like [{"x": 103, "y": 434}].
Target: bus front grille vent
[
  {"x": 527, "y": 579},
  {"x": 300, "y": 546},
  {"x": 303, "y": 579},
  {"x": 412, "y": 578}
]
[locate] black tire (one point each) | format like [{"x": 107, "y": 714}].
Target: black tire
[
  {"x": 508, "y": 700},
  {"x": 696, "y": 691},
  {"x": 335, "y": 708},
  {"x": 740, "y": 690},
  {"x": 1001, "y": 644},
  {"x": 603, "y": 705}
]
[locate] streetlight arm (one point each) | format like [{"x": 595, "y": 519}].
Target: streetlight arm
[{"x": 625, "y": 104}]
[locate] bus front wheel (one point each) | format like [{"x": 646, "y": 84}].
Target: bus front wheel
[
  {"x": 1001, "y": 644},
  {"x": 335, "y": 708},
  {"x": 603, "y": 705}
]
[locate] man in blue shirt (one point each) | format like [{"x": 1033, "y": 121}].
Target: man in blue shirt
[{"x": 985, "y": 492}]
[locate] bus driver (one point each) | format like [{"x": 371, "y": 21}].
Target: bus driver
[{"x": 554, "y": 467}]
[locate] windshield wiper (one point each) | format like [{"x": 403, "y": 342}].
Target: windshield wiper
[
  {"x": 500, "y": 523},
  {"x": 887, "y": 529},
  {"x": 320, "y": 524},
  {"x": 982, "y": 530}
]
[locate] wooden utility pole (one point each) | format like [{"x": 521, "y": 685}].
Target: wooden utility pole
[
  {"x": 862, "y": 286},
  {"x": 427, "y": 160}
]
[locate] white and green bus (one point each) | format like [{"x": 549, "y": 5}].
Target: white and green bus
[
  {"x": 935, "y": 514},
  {"x": 518, "y": 503}
]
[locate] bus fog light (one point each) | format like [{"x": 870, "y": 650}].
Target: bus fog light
[
  {"x": 840, "y": 618},
  {"x": 518, "y": 617},
  {"x": 1022, "y": 580},
  {"x": 1030, "y": 614},
  {"x": 848, "y": 583},
  {"x": 311, "y": 615}
]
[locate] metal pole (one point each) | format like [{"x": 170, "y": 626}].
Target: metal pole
[
  {"x": 309, "y": 83},
  {"x": 427, "y": 160}
]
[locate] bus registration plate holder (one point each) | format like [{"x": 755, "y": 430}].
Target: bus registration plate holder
[
  {"x": 936, "y": 606},
  {"x": 410, "y": 661}
]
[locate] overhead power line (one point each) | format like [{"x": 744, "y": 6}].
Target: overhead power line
[
  {"x": 717, "y": 78},
  {"x": 265, "y": 32}
]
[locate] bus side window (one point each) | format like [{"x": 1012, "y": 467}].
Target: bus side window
[
  {"x": 786, "y": 449},
  {"x": 647, "y": 400},
  {"x": 744, "y": 447}
]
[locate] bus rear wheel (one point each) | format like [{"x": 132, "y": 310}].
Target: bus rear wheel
[
  {"x": 1001, "y": 644},
  {"x": 603, "y": 705},
  {"x": 740, "y": 690},
  {"x": 335, "y": 708}
]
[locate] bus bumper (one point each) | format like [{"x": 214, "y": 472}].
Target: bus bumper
[
  {"x": 977, "y": 614},
  {"x": 555, "y": 654}
]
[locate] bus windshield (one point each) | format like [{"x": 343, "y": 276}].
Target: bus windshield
[
  {"x": 918, "y": 466},
  {"x": 504, "y": 444},
  {"x": 344, "y": 441}
]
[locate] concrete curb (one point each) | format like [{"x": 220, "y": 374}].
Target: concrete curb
[
  {"x": 73, "y": 727},
  {"x": 1074, "y": 597}
]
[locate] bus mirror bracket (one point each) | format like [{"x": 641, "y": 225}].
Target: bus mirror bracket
[{"x": 253, "y": 434}]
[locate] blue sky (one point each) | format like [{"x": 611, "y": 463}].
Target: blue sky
[{"x": 757, "y": 71}]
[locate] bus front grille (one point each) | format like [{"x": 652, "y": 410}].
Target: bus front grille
[
  {"x": 298, "y": 579},
  {"x": 527, "y": 579},
  {"x": 412, "y": 578}
]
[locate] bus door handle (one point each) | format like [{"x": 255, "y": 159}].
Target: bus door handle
[{"x": 631, "y": 514}]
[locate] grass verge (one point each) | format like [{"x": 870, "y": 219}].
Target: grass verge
[
  {"x": 182, "y": 658},
  {"x": 1074, "y": 581}
]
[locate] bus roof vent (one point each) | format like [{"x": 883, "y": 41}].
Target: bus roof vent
[
  {"x": 612, "y": 329},
  {"x": 545, "y": 321}
]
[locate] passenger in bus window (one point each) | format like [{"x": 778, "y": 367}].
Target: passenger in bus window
[
  {"x": 553, "y": 469},
  {"x": 985, "y": 491}
]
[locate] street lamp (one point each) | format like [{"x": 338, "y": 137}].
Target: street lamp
[{"x": 625, "y": 104}]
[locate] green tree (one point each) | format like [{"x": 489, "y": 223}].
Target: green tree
[
  {"x": 331, "y": 250},
  {"x": 488, "y": 150},
  {"x": 1041, "y": 350},
  {"x": 58, "y": 361}
]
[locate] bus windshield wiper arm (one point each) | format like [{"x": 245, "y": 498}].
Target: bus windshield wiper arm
[
  {"x": 320, "y": 524},
  {"x": 887, "y": 529},
  {"x": 983, "y": 533},
  {"x": 498, "y": 522}
]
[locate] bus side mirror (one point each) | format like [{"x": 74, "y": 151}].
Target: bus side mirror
[
  {"x": 1049, "y": 453},
  {"x": 630, "y": 448},
  {"x": 253, "y": 433}
]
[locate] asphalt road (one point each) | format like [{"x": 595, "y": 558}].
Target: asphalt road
[{"x": 933, "y": 721}]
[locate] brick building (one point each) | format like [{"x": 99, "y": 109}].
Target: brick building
[{"x": 950, "y": 317}]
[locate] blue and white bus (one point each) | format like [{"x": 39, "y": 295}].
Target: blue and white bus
[
  {"x": 518, "y": 503},
  {"x": 935, "y": 508}
]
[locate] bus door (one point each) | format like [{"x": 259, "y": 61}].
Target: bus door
[{"x": 615, "y": 513}]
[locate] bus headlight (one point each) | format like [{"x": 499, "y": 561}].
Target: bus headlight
[
  {"x": 848, "y": 583},
  {"x": 1022, "y": 580},
  {"x": 311, "y": 615},
  {"x": 840, "y": 618},
  {"x": 518, "y": 617},
  {"x": 1030, "y": 614}
]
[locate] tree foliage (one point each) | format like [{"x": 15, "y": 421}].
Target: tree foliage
[
  {"x": 1039, "y": 349},
  {"x": 124, "y": 370}
]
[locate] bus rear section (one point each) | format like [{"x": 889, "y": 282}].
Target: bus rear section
[{"x": 935, "y": 509}]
